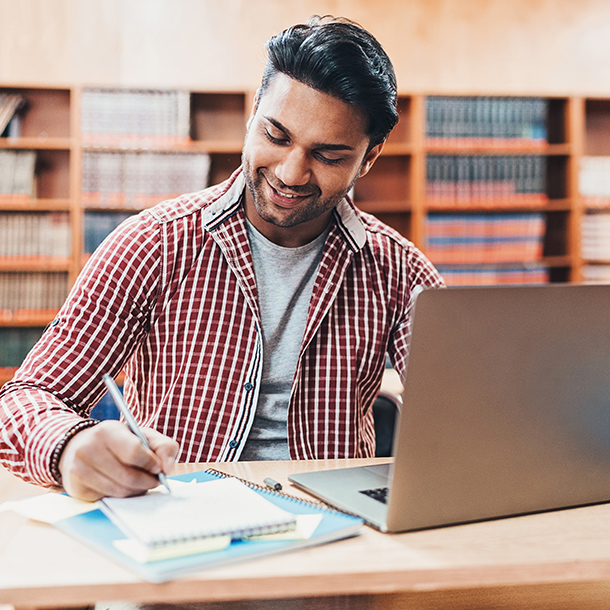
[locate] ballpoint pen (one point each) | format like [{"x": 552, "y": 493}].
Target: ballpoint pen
[{"x": 130, "y": 419}]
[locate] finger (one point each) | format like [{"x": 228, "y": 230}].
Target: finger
[
  {"x": 164, "y": 447},
  {"x": 131, "y": 452}
]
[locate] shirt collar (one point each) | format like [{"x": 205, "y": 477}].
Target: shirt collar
[{"x": 347, "y": 220}]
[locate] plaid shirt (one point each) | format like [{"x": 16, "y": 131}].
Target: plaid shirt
[{"x": 171, "y": 298}]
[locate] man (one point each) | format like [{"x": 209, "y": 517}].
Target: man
[{"x": 252, "y": 319}]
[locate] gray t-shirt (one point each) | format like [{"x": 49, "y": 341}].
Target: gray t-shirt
[{"x": 284, "y": 281}]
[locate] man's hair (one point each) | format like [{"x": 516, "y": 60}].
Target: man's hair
[{"x": 338, "y": 57}]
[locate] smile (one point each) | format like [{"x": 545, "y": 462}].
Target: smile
[
  {"x": 285, "y": 199},
  {"x": 287, "y": 195}
]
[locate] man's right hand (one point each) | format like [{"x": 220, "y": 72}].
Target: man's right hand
[{"x": 108, "y": 460}]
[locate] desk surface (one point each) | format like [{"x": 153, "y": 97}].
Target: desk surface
[{"x": 559, "y": 559}]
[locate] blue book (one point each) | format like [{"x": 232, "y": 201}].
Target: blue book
[{"x": 97, "y": 530}]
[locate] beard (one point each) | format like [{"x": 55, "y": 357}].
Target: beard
[{"x": 313, "y": 207}]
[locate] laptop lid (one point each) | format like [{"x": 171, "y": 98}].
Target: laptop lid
[{"x": 506, "y": 407}]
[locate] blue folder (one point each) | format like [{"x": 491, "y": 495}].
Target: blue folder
[{"x": 97, "y": 531}]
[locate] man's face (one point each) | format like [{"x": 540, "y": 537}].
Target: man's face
[{"x": 302, "y": 154}]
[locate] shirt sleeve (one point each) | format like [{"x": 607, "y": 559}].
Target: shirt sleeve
[
  {"x": 417, "y": 273},
  {"x": 105, "y": 316}
]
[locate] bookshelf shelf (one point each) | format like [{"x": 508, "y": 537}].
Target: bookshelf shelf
[
  {"x": 14, "y": 264},
  {"x": 397, "y": 149},
  {"x": 195, "y": 146},
  {"x": 6, "y": 374},
  {"x": 35, "y": 205},
  {"x": 26, "y": 318},
  {"x": 59, "y": 128},
  {"x": 39, "y": 143},
  {"x": 388, "y": 206},
  {"x": 558, "y": 205},
  {"x": 476, "y": 149}
]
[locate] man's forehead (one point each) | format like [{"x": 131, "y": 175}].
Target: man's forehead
[{"x": 297, "y": 106}]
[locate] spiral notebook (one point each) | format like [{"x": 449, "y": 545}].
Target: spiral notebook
[
  {"x": 193, "y": 512},
  {"x": 166, "y": 562}
]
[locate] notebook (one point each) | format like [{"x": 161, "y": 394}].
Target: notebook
[
  {"x": 315, "y": 524},
  {"x": 506, "y": 411},
  {"x": 226, "y": 507}
]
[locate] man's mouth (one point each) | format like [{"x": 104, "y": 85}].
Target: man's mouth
[{"x": 286, "y": 198}]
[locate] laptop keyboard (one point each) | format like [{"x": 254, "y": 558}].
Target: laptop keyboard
[{"x": 380, "y": 493}]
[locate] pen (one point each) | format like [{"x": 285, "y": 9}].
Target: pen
[
  {"x": 273, "y": 484},
  {"x": 130, "y": 419}
]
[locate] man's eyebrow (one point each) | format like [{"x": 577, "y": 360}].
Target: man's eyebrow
[{"x": 316, "y": 145}]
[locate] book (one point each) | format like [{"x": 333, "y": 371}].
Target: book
[
  {"x": 315, "y": 524},
  {"x": 10, "y": 104},
  {"x": 486, "y": 122},
  {"x": 594, "y": 181},
  {"x": 135, "y": 117},
  {"x": 485, "y": 238},
  {"x": 463, "y": 181},
  {"x": 137, "y": 180},
  {"x": 17, "y": 175}
]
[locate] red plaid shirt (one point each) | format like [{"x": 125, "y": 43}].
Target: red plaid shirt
[{"x": 171, "y": 297}]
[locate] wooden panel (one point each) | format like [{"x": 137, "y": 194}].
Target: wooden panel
[
  {"x": 597, "y": 133},
  {"x": 470, "y": 46},
  {"x": 220, "y": 117}
]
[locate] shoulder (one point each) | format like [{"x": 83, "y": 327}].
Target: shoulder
[
  {"x": 396, "y": 253},
  {"x": 193, "y": 204}
]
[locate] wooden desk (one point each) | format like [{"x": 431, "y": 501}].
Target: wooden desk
[{"x": 552, "y": 560}]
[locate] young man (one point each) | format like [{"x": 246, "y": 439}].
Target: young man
[{"x": 252, "y": 319}]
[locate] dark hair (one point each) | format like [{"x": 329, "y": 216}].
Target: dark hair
[{"x": 340, "y": 58}]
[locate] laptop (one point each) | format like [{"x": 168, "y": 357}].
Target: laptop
[{"x": 506, "y": 411}]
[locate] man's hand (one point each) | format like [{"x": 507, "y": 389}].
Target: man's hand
[{"x": 108, "y": 460}]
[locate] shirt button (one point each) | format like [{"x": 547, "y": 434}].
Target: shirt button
[
  {"x": 248, "y": 386},
  {"x": 233, "y": 444}
]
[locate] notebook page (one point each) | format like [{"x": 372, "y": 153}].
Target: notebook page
[{"x": 194, "y": 511}]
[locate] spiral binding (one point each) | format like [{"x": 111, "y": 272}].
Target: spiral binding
[{"x": 258, "y": 487}]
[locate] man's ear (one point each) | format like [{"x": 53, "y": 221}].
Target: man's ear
[
  {"x": 254, "y": 107},
  {"x": 370, "y": 158}
]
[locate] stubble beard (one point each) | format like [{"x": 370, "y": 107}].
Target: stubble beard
[{"x": 312, "y": 209}]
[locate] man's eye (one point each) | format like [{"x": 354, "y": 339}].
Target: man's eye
[
  {"x": 329, "y": 160},
  {"x": 276, "y": 140}
]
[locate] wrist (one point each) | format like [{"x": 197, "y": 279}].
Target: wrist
[{"x": 59, "y": 448}]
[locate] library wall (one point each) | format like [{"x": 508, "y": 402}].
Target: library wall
[
  {"x": 497, "y": 169},
  {"x": 540, "y": 47}
]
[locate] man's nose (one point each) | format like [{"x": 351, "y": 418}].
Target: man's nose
[{"x": 294, "y": 169}]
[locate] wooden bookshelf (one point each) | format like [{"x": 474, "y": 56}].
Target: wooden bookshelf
[{"x": 394, "y": 189}]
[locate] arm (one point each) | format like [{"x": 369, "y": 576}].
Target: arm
[
  {"x": 417, "y": 273},
  {"x": 104, "y": 318}
]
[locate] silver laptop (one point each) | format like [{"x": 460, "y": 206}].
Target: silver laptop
[{"x": 506, "y": 411}]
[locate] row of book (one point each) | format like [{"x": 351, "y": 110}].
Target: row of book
[
  {"x": 31, "y": 292},
  {"x": 37, "y": 236},
  {"x": 487, "y": 180},
  {"x": 98, "y": 225},
  {"x": 12, "y": 106},
  {"x": 139, "y": 118},
  {"x": 485, "y": 121},
  {"x": 486, "y": 275},
  {"x": 596, "y": 274},
  {"x": 595, "y": 236},
  {"x": 15, "y": 343},
  {"x": 140, "y": 179},
  {"x": 485, "y": 238},
  {"x": 594, "y": 181},
  {"x": 17, "y": 175}
]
